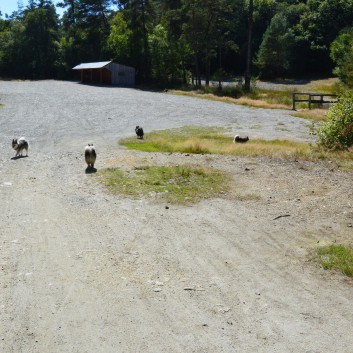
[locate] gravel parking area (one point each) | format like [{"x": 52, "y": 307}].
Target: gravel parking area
[
  {"x": 76, "y": 111},
  {"x": 84, "y": 271}
]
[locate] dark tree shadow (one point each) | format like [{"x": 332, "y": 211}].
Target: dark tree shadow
[{"x": 90, "y": 170}]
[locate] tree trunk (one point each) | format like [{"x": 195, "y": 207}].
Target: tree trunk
[
  {"x": 248, "y": 54},
  {"x": 197, "y": 72},
  {"x": 208, "y": 70}
]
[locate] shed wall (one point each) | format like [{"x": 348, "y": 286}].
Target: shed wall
[{"x": 122, "y": 75}]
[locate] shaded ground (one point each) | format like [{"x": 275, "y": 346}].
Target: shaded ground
[{"x": 85, "y": 271}]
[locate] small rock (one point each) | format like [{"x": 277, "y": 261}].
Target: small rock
[{"x": 167, "y": 207}]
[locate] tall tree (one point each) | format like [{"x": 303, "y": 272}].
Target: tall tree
[
  {"x": 207, "y": 21},
  {"x": 40, "y": 38},
  {"x": 137, "y": 14},
  {"x": 272, "y": 58},
  {"x": 86, "y": 30},
  {"x": 249, "y": 47}
]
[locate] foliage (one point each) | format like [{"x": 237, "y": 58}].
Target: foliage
[
  {"x": 341, "y": 52},
  {"x": 338, "y": 257},
  {"x": 272, "y": 58},
  {"x": 174, "y": 40},
  {"x": 119, "y": 40},
  {"x": 336, "y": 133}
]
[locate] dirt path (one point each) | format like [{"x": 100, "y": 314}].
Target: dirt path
[{"x": 85, "y": 271}]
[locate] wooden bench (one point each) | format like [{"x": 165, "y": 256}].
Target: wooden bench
[{"x": 313, "y": 98}]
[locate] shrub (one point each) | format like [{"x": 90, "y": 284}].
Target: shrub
[{"x": 336, "y": 133}]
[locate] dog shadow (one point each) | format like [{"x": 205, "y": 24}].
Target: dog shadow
[
  {"x": 90, "y": 170},
  {"x": 18, "y": 157}
]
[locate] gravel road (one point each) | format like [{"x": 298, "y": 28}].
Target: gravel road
[{"x": 86, "y": 271}]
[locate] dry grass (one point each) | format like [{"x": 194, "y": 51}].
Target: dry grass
[
  {"x": 205, "y": 140},
  {"x": 265, "y": 100},
  {"x": 328, "y": 86},
  {"x": 260, "y": 103},
  {"x": 312, "y": 114}
]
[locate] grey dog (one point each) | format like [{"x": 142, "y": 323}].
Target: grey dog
[{"x": 90, "y": 155}]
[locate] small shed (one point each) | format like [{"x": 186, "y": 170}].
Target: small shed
[{"x": 107, "y": 72}]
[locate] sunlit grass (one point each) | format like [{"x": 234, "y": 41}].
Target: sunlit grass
[
  {"x": 339, "y": 257},
  {"x": 328, "y": 86},
  {"x": 204, "y": 140},
  {"x": 312, "y": 114},
  {"x": 207, "y": 140},
  {"x": 262, "y": 98},
  {"x": 174, "y": 184},
  {"x": 257, "y": 99}
]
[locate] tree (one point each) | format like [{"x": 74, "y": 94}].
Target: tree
[
  {"x": 40, "y": 39},
  {"x": 249, "y": 47},
  {"x": 341, "y": 52},
  {"x": 86, "y": 30},
  {"x": 272, "y": 57},
  {"x": 137, "y": 15},
  {"x": 207, "y": 22},
  {"x": 119, "y": 40}
]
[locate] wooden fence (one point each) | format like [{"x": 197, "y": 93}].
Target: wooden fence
[{"x": 313, "y": 98}]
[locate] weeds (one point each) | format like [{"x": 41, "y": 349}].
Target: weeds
[{"x": 338, "y": 257}]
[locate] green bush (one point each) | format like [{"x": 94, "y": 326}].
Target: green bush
[{"x": 336, "y": 133}]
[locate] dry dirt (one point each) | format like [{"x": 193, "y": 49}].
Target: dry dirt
[{"x": 85, "y": 271}]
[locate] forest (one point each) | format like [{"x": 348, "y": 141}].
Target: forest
[{"x": 172, "y": 41}]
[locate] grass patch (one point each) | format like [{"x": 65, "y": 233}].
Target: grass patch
[
  {"x": 328, "y": 86},
  {"x": 312, "y": 114},
  {"x": 213, "y": 140},
  {"x": 247, "y": 197},
  {"x": 261, "y": 98},
  {"x": 204, "y": 140},
  {"x": 258, "y": 98},
  {"x": 339, "y": 257},
  {"x": 174, "y": 184}
]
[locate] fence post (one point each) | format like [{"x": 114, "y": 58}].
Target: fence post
[
  {"x": 293, "y": 98},
  {"x": 309, "y": 101}
]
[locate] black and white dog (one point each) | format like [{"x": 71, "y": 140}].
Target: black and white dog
[
  {"x": 19, "y": 145},
  {"x": 238, "y": 139},
  {"x": 90, "y": 155},
  {"x": 139, "y": 132}
]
